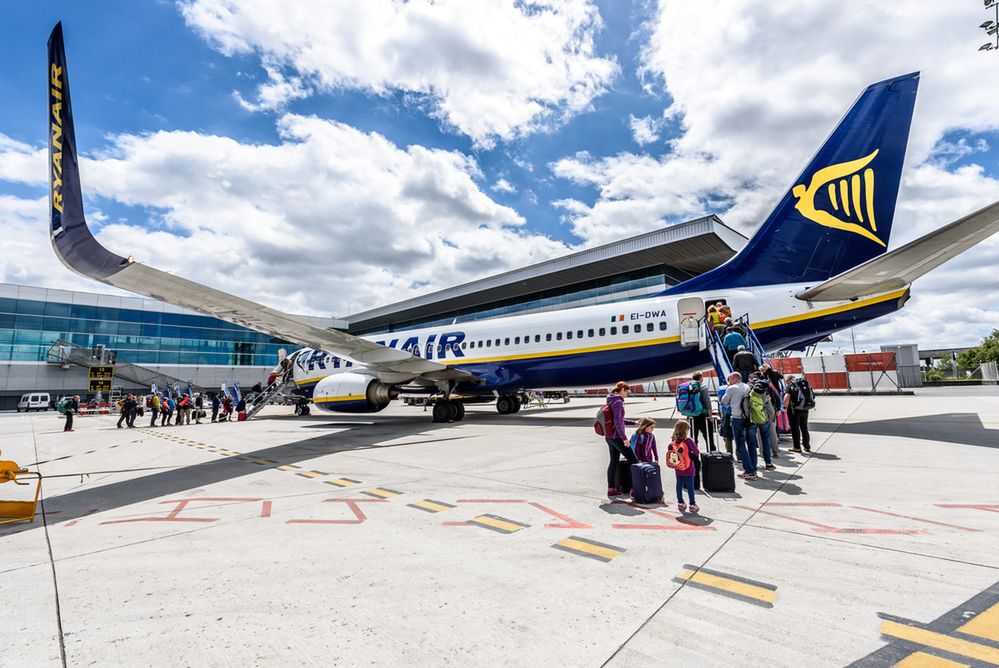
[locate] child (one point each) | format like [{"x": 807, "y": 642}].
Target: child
[
  {"x": 644, "y": 442},
  {"x": 685, "y": 477}
]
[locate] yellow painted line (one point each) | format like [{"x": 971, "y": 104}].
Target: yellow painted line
[
  {"x": 599, "y": 550},
  {"x": 926, "y": 638},
  {"x": 381, "y": 493},
  {"x": 343, "y": 482},
  {"x": 309, "y": 474},
  {"x": 984, "y": 625},
  {"x": 730, "y": 585},
  {"x": 287, "y": 468},
  {"x": 924, "y": 660},
  {"x": 432, "y": 506},
  {"x": 228, "y": 453},
  {"x": 491, "y": 521}
]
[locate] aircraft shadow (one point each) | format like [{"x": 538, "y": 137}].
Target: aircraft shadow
[{"x": 957, "y": 428}]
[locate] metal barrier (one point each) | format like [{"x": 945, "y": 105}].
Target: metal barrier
[{"x": 13, "y": 510}]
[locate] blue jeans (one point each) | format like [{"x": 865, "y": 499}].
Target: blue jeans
[
  {"x": 743, "y": 430},
  {"x": 685, "y": 481}
]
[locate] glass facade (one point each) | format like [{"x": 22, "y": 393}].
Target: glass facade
[
  {"x": 634, "y": 284},
  {"x": 28, "y": 327}
]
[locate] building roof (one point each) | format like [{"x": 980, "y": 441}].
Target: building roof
[{"x": 694, "y": 247}]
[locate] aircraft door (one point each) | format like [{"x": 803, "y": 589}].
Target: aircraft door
[{"x": 690, "y": 310}]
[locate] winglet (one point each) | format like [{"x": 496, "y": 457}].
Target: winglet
[{"x": 74, "y": 245}]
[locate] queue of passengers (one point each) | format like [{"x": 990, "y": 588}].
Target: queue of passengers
[{"x": 752, "y": 409}]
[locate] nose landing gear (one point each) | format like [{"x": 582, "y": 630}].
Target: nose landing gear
[{"x": 507, "y": 404}]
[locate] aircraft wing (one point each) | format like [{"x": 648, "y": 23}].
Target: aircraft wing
[
  {"x": 900, "y": 267},
  {"x": 77, "y": 248}
]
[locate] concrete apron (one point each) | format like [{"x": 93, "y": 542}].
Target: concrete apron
[{"x": 386, "y": 538}]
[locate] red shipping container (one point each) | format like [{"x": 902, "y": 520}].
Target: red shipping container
[
  {"x": 673, "y": 383},
  {"x": 876, "y": 362},
  {"x": 637, "y": 388}
]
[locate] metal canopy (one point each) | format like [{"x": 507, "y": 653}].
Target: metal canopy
[{"x": 694, "y": 246}]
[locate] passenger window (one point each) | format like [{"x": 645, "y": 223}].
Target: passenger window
[
  {"x": 613, "y": 331},
  {"x": 662, "y": 327},
  {"x": 625, "y": 329},
  {"x": 548, "y": 337},
  {"x": 488, "y": 343},
  {"x": 537, "y": 338},
  {"x": 558, "y": 336},
  {"x": 649, "y": 327},
  {"x": 497, "y": 343},
  {"x": 568, "y": 335},
  {"x": 579, "y": 334},
  {"x": 516, "y": 341},
  {"x": 506, "y": 342},
  {"x": 463, "y": 345},
  {"x": 602, "y": 332},
  {"x": 589, "y": 333}
]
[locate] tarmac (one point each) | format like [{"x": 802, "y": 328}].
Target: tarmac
[{"x": 386, "y": 539}]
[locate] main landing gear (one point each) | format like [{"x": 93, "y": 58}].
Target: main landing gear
[
  {"x": 508, "y": 403},
  {"x": 447, "y": 410}
]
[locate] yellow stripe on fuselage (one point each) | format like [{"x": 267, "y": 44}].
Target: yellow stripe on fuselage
[{"x": 350, "y": 397}]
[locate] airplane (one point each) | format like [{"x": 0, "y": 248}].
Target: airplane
[{"x": 818, "y": 263}]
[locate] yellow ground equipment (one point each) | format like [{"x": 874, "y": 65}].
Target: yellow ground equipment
[{"x": 18, "y": 511}]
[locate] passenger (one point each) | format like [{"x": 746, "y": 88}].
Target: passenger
[
  {"x": 744, "y": 362},
  {"x": 188, "y": 408},
  {"x": 241, "y": 405},
  {"x": 772, "y": 376},
  {"x": 226, "y": 408},
  {"x": 685, "y": 477},
  {"x": 199, "y": 405},
  {"x": 617, "y": 440},
  {"x": 732, "y": 341},
  {"x": 776, "y": 404},
  {"x": 725, "y": 422},
  {"x": 725, "y": 310},
  {"x": 715, "y": 320},
  {"x": 644, "y": 441},
  {"x": 216, "y": 404},
  {"x": 167, "y": 406},
  {"x": 123, "y": 412},
  {"x": 761, "y": 416},
  {"x": 700, "y": 421},
  {"x": 742, "y": 428},
  {"x": 798, "y": 398},
  {"x": 154, "y": 409},
  {"x": 72, "y": 407}
]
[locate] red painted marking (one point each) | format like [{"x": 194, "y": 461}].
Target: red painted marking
[
  {"x": 569, "y": 522},
  {"x": 265, "y": 508},
  {"x": 917, "y": 519},
  {"x": 988, "y": 507},
  {"x": 804, "y": 504},
  {"x": 76, "y": 521},
  {"x": 359, "y": 516},
  {"x": 457, "y": 524},
  {"x": 181, "y": 505},
  {"x": 684, "y": 523},
  {"x": 824, "y": 528}
]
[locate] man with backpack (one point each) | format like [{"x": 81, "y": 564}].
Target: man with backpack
[
  {"x": 760, "y": 410},
  {"x": 72, "y": 407},
  {"x": 799, "y": 398},
  {"x": 742, "y": 427},
  {"x": 693, "y": 400},
  {"x": 744, "y": 362}
]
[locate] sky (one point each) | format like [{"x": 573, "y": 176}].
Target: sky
[{"x": 330, "y": 157}]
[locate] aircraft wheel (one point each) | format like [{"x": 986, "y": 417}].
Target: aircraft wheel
[
  {"x": 505, "y": 405},
  {"x": 516, "y": 403},
  {"x": 459, "y": 411},
  {"x": 442, "y": 411}
]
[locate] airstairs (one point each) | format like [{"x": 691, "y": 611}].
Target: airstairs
[
  {"x": 274, "y": 391},
  {"x": 719, "y": 358},
  {"x": 64, "y": 353}
]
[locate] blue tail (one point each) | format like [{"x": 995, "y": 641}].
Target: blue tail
[{"x": 839, "y": 212}]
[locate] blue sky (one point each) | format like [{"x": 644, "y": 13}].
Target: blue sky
[{"x": 421, "y": 145}]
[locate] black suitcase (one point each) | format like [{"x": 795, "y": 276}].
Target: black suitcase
[
  {"x": 717, "y": 472},
  {"x": 622, "y": 477},
  {"x": 646, "y": 482}
]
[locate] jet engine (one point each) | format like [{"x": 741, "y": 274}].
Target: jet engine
[{"x": 353, "y": 393}]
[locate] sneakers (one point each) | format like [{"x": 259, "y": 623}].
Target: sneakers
[
  {"x": 681, "y": 506},
  {"x": 694, "y": 508},
  {"x": 795, "y": 449},
  {"x": 808, "y": 450},
  {"x": 612, "y": 491},
  {"x": 770, "y": 467}
]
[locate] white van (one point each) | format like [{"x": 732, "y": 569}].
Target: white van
[{"x": 36, "y": 401}]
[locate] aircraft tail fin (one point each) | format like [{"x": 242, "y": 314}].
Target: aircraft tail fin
[{"x": 838, "y": 213}]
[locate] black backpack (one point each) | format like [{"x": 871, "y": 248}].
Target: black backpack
[{"x": 802, "y": 397}]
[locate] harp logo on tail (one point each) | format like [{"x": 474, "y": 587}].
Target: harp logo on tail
[{"x": 849, "y": 188}]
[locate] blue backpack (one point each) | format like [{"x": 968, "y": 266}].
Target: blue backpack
[{"x": 688, "y": 399}]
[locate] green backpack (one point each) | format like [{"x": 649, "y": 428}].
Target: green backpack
[
  {"x": 61, "y": 406},
  {"x": 754, "y": 407}
]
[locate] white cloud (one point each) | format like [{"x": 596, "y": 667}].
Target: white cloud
[
  {"x": 504, "y": 186},
  {"x": 491, "y": 69},
  {"x": 753, "y": 110},
  {"x": 337, "y": 220},
  {"x": 644, "y": 130}
]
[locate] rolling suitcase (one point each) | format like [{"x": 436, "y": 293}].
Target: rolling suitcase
[
  {"x": 717, "y": 472},
  {"x": 622, "y": 477},
  {"x": 646, "y": 482}
]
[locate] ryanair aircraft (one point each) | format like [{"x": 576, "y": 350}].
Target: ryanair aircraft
[{"x": 818, "y": 263}]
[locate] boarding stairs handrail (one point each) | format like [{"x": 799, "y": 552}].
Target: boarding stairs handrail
[
  {"x": 755, "y": 347},
  {"x": 65, "y": 352},
  {"x": 719, "y": 359}
]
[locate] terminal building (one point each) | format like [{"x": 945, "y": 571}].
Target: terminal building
[{"x": 42, "y": 330}]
